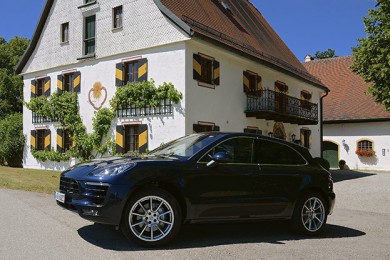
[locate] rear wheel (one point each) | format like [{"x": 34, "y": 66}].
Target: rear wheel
[
  {"x": 310, "y": 214},
  {"x": 152, "y": 218}
]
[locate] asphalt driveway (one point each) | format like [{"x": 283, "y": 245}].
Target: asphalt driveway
[{"x": 33, "y": 227}]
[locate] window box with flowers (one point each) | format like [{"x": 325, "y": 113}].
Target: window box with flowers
[{"x": 365, "y": 148}]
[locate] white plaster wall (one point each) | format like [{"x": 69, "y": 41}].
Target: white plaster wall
[
  {"x": 165, "y": 64},
  {"x": 144, "y": 26},
  {"x": 347, "y": 136},
  {"x": 225, "y": 105}
]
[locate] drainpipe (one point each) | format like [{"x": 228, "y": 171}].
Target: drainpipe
[{"x": 321, "y": 122}]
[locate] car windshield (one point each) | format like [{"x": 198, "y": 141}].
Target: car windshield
[{"x": 185, "y": 147}]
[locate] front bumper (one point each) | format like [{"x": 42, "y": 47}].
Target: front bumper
[{"x": 95, "y": 201}]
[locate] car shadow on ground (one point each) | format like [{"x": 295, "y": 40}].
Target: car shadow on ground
[
  {"x": 340, "y": 175},
  {"x": 206, "y": 235}
]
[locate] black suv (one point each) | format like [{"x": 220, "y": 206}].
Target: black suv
[{"x": 197, "y": 178}]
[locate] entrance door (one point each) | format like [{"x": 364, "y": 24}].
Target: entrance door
[{"x": 331, "y": 153}]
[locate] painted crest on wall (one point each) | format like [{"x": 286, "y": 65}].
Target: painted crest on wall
[{"x": 97, "y": 95}]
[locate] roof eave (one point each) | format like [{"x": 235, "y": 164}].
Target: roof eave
[
  {"x": 357, "y": 120},
  {"x": 171, "y": 16},
  {"x": 37, "y": 34}
]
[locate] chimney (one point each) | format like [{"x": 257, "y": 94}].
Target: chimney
[{"x": 308, "y": 58}]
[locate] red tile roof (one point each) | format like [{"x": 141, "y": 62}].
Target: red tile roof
[
  {"x": 347, "y": 99},
  {"x": 241, "y": 27}
]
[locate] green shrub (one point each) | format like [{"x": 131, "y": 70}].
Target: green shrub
[{"x": 12, "y": 140}]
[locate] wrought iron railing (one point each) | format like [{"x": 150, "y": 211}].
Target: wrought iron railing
[
  {"x": 164, "y": 108},
  {"x": 38, "y": 119},
  {"x": 280, "y": 104}
]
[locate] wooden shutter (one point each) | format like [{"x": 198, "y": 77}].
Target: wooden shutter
[
  {"x": 245, "y": 81},
  {"x": 142, "y": 70},
  {"x": 120, "y": 140},
  {"x": 119, "y": 74},
  {"x": 216, "y": 128},
  {"x": 47, "y": 86},
  {"x": 47, "y": 139},
  {"x": 33, "y": 88},
  {"x": 60, "y": 140},
  {"x": 216, "y": 79},
  {"x": 197, "y": 70},
  {"x": 60, "y": 84},
  {"x": 77, "y": 82},
  {"x": 143, "y": 138},
  {"x": 33, "y": 141}
]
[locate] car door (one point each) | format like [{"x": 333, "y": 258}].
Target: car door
[
  {"x": 224, "y": 190},
  {"x": 281, "y": 174}
]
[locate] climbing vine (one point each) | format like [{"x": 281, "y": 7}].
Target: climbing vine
[{"x": 63, "y": 108}]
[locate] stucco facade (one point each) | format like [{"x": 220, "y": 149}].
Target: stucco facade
[
  {"x": 149, "y": 34},
  {"x": 346, "y": 136}
]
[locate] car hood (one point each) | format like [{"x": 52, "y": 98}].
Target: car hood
[{"x": 83, "y": 170}]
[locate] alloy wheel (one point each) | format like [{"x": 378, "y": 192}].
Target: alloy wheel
[{"x": 313, "y": 214}]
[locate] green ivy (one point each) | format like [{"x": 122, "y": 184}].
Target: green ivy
[{"x": 64, "y": 109}]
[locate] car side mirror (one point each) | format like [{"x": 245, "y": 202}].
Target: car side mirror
[{"x": 221, "y": 157}]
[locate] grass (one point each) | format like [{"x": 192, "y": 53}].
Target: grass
[{"x": 41, "y": 181}]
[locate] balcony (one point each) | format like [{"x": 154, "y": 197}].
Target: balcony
[
  {"x": 271, "y": 105},
  {"x": 164, "y": 108},
  {"x": 39, "y": 119}
]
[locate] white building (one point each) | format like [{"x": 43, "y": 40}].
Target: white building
[
  {"x": 352, "y": 120},
  {"x": 233, "y": 70}
]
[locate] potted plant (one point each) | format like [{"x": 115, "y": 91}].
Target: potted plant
[
  {"x": 342, "y": 164},
  {"x": 365, "y": 152}
]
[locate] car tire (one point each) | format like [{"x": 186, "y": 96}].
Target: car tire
[
  {"x": 310, "y": 214},
  {"x": 151, "y": 226}
]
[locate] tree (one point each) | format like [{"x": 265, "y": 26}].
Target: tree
[
  {"x": 12, "y": 140},
  {"x": 372, "y": 55},
  {"x": 11, "y": 85},
  {"x": 325, "y": 54}
]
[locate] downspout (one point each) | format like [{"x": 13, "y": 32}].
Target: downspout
[{"x": 321, "y": 122}]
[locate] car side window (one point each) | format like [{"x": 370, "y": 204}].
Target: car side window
[
  {"x": 240, "y": 150},
  {"x": 270, "y": 152}
]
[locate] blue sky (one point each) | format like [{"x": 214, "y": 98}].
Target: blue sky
[{"x": 305, "y": 25}]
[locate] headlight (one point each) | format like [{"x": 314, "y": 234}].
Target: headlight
[{"x": 112, "y": 170}]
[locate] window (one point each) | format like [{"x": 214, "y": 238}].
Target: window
[
  {"x": 206, "y": 69},
  {"x": 64, "y": 32},
  {"x": 131, "y": 71},
  {"x": 131, "y": 138},
  {"x": 67, "y": 140},
  {"x": 240, "y": 150},
  {"x": 89, "y": 35},
  {"x": 40, "y": 87},
  {"x": 205, "y": 127},
  {"x": 117, "y": 17},
  {"x": 40, "y": 139},
  {"x": 269, "y": 152},
  {"x": 252, "y": 83},
  {"x": 364, "y": 145},
  {"x": 305, "y": 100},
  {"x": 305, "y": 137},
  {"x": 253, "y": 130},
  {"x": 69, "y": 82}
]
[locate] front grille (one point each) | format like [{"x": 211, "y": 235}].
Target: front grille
[
  {"x": 69, "y": 186},
  {"x": 96, "y": 192}
]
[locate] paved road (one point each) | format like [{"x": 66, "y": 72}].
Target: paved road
[{"x": 33, "y": 227}]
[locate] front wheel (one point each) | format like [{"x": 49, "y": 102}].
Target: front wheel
[
  {"x": 152, "y": 218},
  {"x": 310, "y": 214}
]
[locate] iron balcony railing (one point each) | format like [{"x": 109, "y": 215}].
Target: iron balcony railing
[
  {"x": 164, "y": 108},
  {"x": 38, "y": 119},
  {"x": 271, "y": 105}
]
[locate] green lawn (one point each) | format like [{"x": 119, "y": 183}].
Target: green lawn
[{"x": 29, "y": 180}]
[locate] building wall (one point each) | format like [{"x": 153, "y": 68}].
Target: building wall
[
  {"x": 164, "y": 65},
  {"x": 225, "y": 105},
  {"x": 347, "y": 136},
  {"x": 144, "y": 26}
]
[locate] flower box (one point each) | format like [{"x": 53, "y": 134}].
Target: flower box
[{"x": 365, "y": 152}]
